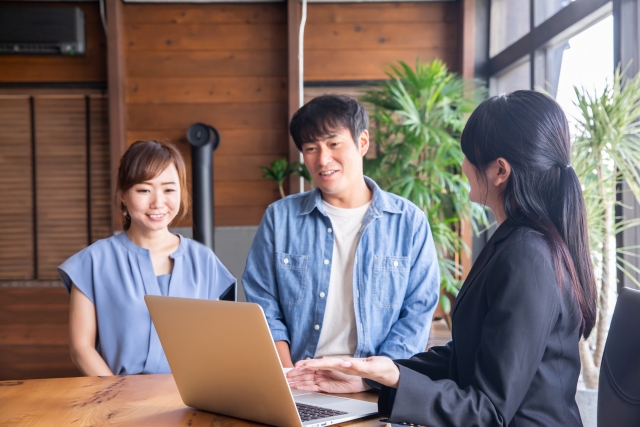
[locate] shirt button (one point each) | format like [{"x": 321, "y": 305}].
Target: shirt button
[
  {"x": 322, "y": 294},
  {"x": 286, "y": 260},
  {"x": 395, "y": 263},
  {"x": 326, "y": 262},
  {"x": 316, "y": 327},
  {"x": 329, "y": 230}
]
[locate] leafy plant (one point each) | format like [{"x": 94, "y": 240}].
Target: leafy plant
[
  {"x": 418, "y": 117},
  {"x": 605, "y": 152},
  {"x": 281, "y": 169}
]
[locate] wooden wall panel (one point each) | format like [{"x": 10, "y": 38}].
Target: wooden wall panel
[
  {"x": 204, "y": 37},
  {"x": 61, "y": 180},
  {"x": 210, "y": 14},
  {"x": 158, "y": 116},
  {"x": 221, "y": 64},
  {"x": 240, "y": 63},
  {"x": 358, "y": 41},
  {"x": 203, "y": 90},
  {"x": 34, "y": 334},
  {"x": 91, "y": 67},
  {"x": 234, "y": 141},
  {"x": 16, "y": 209}
]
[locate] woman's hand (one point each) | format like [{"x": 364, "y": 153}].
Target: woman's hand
[
  {"x": 324, "y": 373},
  {"x": 325, "y": 381}
]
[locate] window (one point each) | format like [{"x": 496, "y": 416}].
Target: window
[
  {"x": 510, "y": 21},
  {"x": 545, "y": 9},
  {"x": 586, "y": 61},
  {"x": 517, "y": 77},
  {"x": 514, "y": 40}
]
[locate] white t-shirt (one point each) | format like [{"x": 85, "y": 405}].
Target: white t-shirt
[{"x": 339, "y": 336}]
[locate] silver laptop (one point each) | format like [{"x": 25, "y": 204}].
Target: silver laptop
[{"x": 224, "y": 360}]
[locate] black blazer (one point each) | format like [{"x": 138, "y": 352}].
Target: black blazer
[{"x": 513, "y": 359}]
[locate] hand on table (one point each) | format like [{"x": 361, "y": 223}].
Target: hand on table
[
  {"x": 326, "y": 381},
  {"x": 343, "y": 376}
]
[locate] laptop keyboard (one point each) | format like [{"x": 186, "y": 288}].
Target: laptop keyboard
[{"x": 309, "y": 412}]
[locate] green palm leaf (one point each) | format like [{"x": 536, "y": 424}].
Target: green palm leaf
[{"x": 418, "y": 117}]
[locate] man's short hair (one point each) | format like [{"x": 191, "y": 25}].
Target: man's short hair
[{"x": 324, "y": 116}]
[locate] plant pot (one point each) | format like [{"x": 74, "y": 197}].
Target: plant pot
[{"x": 587, "y": 401}]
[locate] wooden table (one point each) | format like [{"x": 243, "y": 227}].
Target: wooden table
[{"x": 135, "y": 400}]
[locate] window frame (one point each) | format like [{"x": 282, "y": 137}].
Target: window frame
[{"x": 567, "y": 22}]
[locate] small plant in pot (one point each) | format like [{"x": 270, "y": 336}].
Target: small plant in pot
[{"x": 280, "y": 170}]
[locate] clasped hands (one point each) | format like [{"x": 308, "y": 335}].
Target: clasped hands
[{"x": 343, "y": 375}]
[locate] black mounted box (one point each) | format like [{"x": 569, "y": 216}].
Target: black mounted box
[{"x": 42, "y": 30}]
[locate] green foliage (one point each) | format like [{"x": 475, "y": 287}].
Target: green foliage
[
  {"x": 418, "y": 117},
  {"x": 281, "y": 169},
  {"x": 606, "y": 152}
]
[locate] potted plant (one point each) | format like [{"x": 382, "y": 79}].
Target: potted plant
[
  {"x": 417, "y": 118},
  {"x": 281, "y": 169},
  {"x": 605, "y": 152}
]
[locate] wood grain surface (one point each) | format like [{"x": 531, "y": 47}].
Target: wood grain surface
[
  {"x": 358, "y": 41},
  {"x": 34, "y": 334},
  {"x": 135, "y": 400}
]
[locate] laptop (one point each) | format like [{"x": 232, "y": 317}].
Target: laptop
[{"x": 224, "y": 360}]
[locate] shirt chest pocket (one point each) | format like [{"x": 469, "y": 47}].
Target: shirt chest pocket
[
  {"x": 291, "y": 272},
  {"x": 390, "y": 280}
]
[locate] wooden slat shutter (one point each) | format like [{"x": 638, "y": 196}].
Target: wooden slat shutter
[
  {"x": 16, "y": 208},
  {"x": 61, "y": 180},
  {"x": 99, "y": 170}
]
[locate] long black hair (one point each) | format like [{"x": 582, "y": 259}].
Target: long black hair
[{"x": 530, "y": 131}]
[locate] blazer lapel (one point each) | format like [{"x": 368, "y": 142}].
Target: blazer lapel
[{"x": 487, "y": 252}]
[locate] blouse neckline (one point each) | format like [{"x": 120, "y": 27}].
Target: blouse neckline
[{"x": 132, "y": 247}]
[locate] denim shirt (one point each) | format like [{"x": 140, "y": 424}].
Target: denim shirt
[{"x": 395, "y": 274}]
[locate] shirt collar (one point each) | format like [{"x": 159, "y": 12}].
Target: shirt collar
[
  {"x": 132, "y": 247},
  {"x": 380, "y": 201}
]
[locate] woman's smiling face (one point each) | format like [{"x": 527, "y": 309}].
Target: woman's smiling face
[{"x": 153, "y": 204}]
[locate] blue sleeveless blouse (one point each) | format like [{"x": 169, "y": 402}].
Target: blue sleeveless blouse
[{"x": 115, "y": 274}]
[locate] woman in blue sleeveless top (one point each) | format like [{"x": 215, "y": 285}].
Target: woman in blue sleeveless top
[{"x": 111, "y": 332}]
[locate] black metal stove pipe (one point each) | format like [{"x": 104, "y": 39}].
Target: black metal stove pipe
[{"x": 204, "y": 139}]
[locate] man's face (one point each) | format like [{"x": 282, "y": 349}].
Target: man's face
[{"x": 335, "y": 163}]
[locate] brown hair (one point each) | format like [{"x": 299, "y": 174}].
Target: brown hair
[{"x": 144, "y": 160}]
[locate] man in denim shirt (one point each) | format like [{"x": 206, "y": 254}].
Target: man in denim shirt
[{"x": 344, "y": 270}]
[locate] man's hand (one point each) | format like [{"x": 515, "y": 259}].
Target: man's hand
[
  {"x": 282, "y": 347},
  {"x": 335, "y": 374}
]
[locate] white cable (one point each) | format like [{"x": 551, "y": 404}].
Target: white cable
[
  {"x": 303, "y": 22},
  {"x": 103, "y": 18}
]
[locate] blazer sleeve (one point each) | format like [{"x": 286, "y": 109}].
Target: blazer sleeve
[
  {"x": 522, "y": 308},
  {"x": 433, "y": 363}
]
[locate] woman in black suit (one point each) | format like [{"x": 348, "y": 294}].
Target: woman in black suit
[{"x": 529, "y": 298}]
